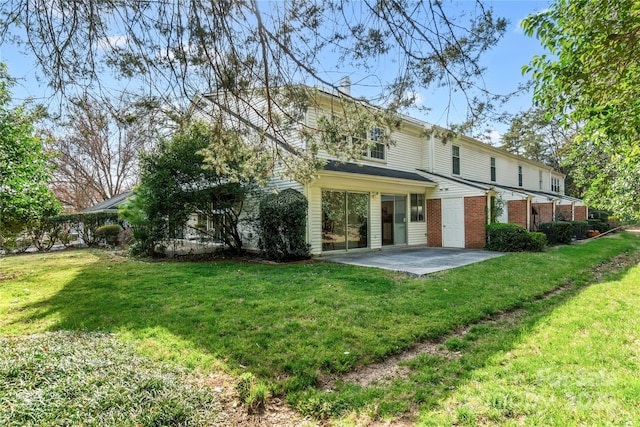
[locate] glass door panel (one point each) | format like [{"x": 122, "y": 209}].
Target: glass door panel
[
  {"x": 333, "y": 220},
  {"x": 400, "y": 220},
  {"x": 357, "y": 220}
]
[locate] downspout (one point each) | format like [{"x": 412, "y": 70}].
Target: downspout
[
  {"x": 529, "y": 213},
  {"x": 553, "y": 210},
  {"x": 489, "y": 207},
  {"x": 573, "y": 211}
]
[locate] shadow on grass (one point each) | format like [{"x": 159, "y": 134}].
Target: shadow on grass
[
  {"x": 288, "y": 323},
  {"x": 430, "y": 378}
]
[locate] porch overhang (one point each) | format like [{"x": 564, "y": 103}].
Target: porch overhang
[{"x": 376, "y": 174}]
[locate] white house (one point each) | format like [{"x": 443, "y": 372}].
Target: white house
[{"x": 421, "y": 190}]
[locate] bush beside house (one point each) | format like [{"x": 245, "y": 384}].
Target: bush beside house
[
  {"x": 282, "y": 225},
  {"x": 505, "y": 237},
  {"x": 558, "y": 232}
]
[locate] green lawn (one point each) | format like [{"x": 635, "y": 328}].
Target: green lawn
[
  {"x": 575, "y": 365},
  {"x": 290, "y": 324}
]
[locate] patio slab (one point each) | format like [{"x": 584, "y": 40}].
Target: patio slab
[{"x": 415, "y": 261}]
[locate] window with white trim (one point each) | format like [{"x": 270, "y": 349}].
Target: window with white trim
[
  {"x": 540, "y": 180},
  {"x": 417, "y": 207},
  {"x": 377, "y": 147},
  {"x": 493, "y": 169},
  {"x": 555, "y": 185},
  {"x": 519, "y": 176},
  {"x": 455, "y": 159}
]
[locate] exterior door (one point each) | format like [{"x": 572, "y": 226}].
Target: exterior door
[
  {"x": 394, "y": 220},
  {"x": 453, "y": 223}
]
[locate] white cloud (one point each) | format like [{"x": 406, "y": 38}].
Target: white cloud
[
  {"x": 492, "y": 137},
  {"x": 112, "y": 41},
  {"x": 418, "y": 99}
]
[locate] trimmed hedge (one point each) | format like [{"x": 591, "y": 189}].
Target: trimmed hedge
[
  {"x": 558, "y": 232},
  {"x": 87, "y": 223},
  {"x": 109, "y": 233},
  {"x": 513, "y": 238},
  {"x": 580, "y": 229},
  {"x": 597, "y": 224}
]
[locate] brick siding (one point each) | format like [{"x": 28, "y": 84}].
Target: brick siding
[
  {"x": 545, "y": 213},
  {"x": 475, "y": 218},
  {"x": 434, "y": 223},
  {"x": 580, "y": 213},
  {"x": 517, "y": 210},
  {"x": 563, "y": 212}
]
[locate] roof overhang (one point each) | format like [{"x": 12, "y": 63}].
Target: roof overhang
[{"x": 376, "y": 174}]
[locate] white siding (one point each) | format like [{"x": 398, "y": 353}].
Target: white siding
[
  {"x": 407, "y": 151},
  {"x": 416, "y": 232}
]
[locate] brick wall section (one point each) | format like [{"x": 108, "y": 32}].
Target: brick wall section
[
  {"x": 545, "y": 212},
  {"x": 475, "y": 218},
  {"x": 563, "y": 212},
  {"x": 517, "y": 212},
  {"x": 434, "y": 223},
  {"x": 580, "y": 213}
]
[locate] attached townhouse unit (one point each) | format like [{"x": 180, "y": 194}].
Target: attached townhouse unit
[{"x": 422, "y": 189}]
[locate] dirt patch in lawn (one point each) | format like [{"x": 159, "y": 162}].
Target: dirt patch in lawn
[
  {"x": 393, "y": 367},
  {"x": 275, "y": 413},
  {"x": 10, "y": 276}
]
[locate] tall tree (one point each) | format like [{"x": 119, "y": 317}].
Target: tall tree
[
  {"x": 97, "y": 156},
  {"x": 177, "y": 181},
  {"x": 591, "y": 78},
  {"x": 25, "y": 198},
  {"x": 537, "y": 137},
  {"x": 260, "y": 51}
]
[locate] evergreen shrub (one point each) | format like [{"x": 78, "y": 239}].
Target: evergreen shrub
[
  {"x": 282, "y": 225},
  {"x": 505, "y": 237},
  {"x": 580, "y": 229},
  {"x": 597, "y": 224},
  {"x": 109, "y": 234},
  {"x": 557, "y": 232}
]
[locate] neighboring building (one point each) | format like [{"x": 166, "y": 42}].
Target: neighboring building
[
  {"x": 112, "y": 204},
  {"x": 422, "y": 190}
]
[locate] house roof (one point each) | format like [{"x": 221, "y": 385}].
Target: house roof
[
  {"x": 486, "y": 186},
  {"x": 334, "y": 166},
  {"x": 433, "y": 127},
  {"x": 111, "y": 204},
  {"x": 478, "y": 185}
]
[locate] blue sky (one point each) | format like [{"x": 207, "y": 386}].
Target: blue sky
[{"x": 504, "y": 64}]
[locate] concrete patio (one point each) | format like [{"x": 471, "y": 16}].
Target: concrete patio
[{"x": 415, "y": 260}]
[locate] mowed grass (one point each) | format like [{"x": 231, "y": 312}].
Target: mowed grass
[
  {"x": 79, "y": 378},
  {"x": 289, "y": 324},
  {"x": 577, "y": 364}
]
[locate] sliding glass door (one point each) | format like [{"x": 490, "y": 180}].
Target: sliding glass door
[{"x": 345, "y": 220}]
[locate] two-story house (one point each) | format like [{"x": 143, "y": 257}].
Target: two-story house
[{"x": 423, "y": 189}]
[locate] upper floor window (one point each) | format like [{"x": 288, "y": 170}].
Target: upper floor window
[
  {"x": 540, "y": 180},
  {"x": 455, "y": 156},
  {"x": 519, "y": 176},
  {"x": 377, "y": 148},
  {"x": 417, "y": 207},
  {"x": 493, "y": 169},
  {"x": 555, "y": 185}
]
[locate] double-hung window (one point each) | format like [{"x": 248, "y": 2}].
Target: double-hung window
[
  {"x": 555, "y": 185},
  {"x": 455, "y": 158},
  {"x": 519, "y": 176},
  {"x": 539, "y": 180},
  {"x": 377, "y": 147},
  {"x": 417, "y": 208},
  {"x": 493, "y": 169}
]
